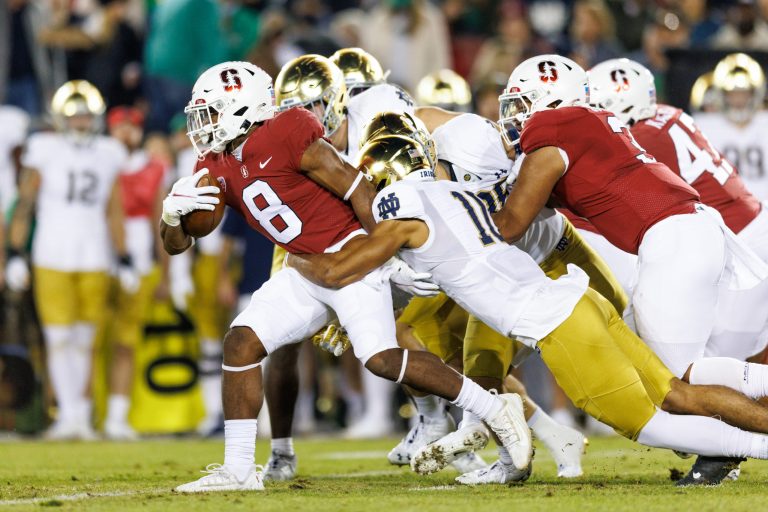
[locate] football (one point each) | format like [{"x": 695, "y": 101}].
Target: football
[{"x": 201, "y": 222}]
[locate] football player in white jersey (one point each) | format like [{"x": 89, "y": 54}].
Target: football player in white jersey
[
  {"x": 70, "y": 178},
  {"x": 738, "y": 130},
  {"x": 318, "y": 84},
  {"x": 442, "y": 228}
]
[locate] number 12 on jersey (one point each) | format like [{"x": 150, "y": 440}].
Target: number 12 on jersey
[{"x": 485, "y": 226}]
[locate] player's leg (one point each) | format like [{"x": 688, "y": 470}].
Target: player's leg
[
  {"x": 681, "y": 262},
  {"x": 430, "y": 324},
  {"x": 281, "y": 388},
  {"x": 487, "y": 358},
  {"x": 92, "y": 292},
  {"x": 601, "y": 379},
  {"x": 127, "y": 333},
  {"x": 208, "y": 316},
  {"x": 364, "y": 311},
  {"x": 281, "y": 312},
  {"x": 57, "y": 314}
]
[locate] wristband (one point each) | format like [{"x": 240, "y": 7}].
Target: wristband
[
  {"x": 171, "y": 219},
  {"x": 353, "y": 186},
  {"x": 13, "y": 253}
]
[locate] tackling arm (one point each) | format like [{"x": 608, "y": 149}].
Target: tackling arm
[
  {"x": 361, "y": 255},
  {"x": 538, "y": 175},
  {"x": 323, "y": 164}
]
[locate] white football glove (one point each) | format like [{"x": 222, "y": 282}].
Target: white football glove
[
  {"x": 332, "y": 338},
  {"x": 127, "y": 275},
  {"x": 410, "y": 281},
  {"x": 17, "y": 274},
  {"x": 186, "y": 197}
]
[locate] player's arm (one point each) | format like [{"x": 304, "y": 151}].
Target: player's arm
[
  {"x": 185, "y": 197},
  {"x": 435, "y": 116},
  {"x": 323, "y": 164},
  {"x": 18, "y": 232},
  {"x": 116, "y": 220},
  {"x": 361, "y": 255},
  {"x": 538, "y": 175}
]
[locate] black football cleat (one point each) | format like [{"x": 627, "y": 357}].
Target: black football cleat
[{"x": 709, "y": 471}]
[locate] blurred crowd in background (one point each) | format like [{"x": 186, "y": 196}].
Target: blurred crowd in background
[{"x": 144, "y": 56}]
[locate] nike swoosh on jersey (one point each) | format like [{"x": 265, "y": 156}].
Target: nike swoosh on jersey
[{"x": 264, "y": 163}]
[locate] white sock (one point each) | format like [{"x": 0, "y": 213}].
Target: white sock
[
  {"x": 748, "y": 378},
  {"x": 702, "y": 435},
  {"x": 469, "y": 419},
  {"x": 117, "y": 409},
  {"x": 504, "y": 456},
  {"x": 82, "y": 356},
  {"x": 58, "y": 351},
  {"x": 210, "y": 376},
  {"x": 476, "y": 400},
  {"x": 239, "y": 446},
  {"x": 429, "y": 406},
  {"x": 548, "y": 431},
  {"x": 378, "y": 397},
  {"x": 283, "y": 445}
]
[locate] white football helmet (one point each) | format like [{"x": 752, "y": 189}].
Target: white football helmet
[
  {"x": 539, "y": 83},
  {"x": 623, "y": 87},
  {"x": 227, "y": 100}
]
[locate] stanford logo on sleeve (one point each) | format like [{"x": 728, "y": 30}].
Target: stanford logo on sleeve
[
  {"x": 619, "y": 77},
  {"x": 231, "y": 80},
  {"x": 547, "y": 71}
]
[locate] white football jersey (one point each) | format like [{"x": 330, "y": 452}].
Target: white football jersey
[
  {"x": 472, "y": 146},
  {"x": 15, "y": 123},
  {"x": 468, "y": 259},
  {"x": 76, "y": 181},
  {"x": 361, "y": 108},
  {"x": 746, "y": 148}
]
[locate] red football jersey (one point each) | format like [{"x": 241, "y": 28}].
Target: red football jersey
[
  {"x": 139, "y": 189},
  {"x": 673, "y": 139},
  {"x": 609, "y": 179},
  {"x": 262, "y": 180}
]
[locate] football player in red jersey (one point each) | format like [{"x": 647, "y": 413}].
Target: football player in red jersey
[
  {"x": 627, "y": 89},
  {"x": 588, "y": 161},
  {"x": 292, "y": 186}
]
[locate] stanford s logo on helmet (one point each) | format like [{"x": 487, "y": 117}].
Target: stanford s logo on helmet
[
  {"x": 619, "y": 77},
  {"x": 231, "y": 80},
  {"x": 547, "y": 71}
]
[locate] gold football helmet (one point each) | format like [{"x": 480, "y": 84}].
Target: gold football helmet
[
  {"x": 78, "y": 98},
  {"x": 741, "y": 82},
  {"x": 393, "y": 123},
  {"x": 393, "y": 158},
  {"x": 703, "y": 95},
  {"x": 445, "y": 89},
  {"x": 361, "y": 69},
  {"x": 315, "y": 83}
]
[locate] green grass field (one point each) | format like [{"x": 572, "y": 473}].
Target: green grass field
[{"x": 349, "y": 476}]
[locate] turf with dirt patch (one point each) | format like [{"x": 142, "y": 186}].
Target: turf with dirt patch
[{"x": 338, "y": 475}]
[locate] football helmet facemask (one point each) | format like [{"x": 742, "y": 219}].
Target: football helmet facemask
[{"x": 227, "y": 100}]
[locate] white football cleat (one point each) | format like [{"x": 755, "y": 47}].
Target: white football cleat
[
  {"x": 120, "y": 431},
  {"x": 434, "y": 457},
  {"x": 469, "y": 462},
  {"x": 496, "y": 473},
  {"x": 567, "y": 455},
  {"x": 219, "y": 478},
  {"x": 280, "y": 467},
  {"x": 62, "y": 431},
  {"x": 510, "y": 427},
  {"x": 424, "y": 432}
]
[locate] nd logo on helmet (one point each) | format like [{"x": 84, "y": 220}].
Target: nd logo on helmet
[
  {"x": 231, "y": 80},
  {"x": 547, "y": 71}
]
